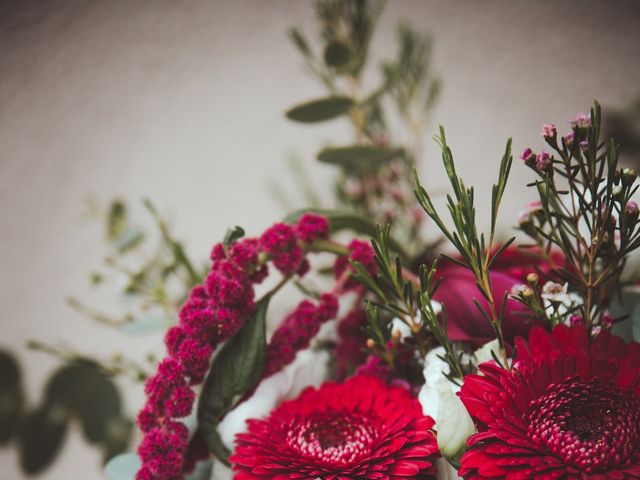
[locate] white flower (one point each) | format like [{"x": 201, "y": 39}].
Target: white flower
[
  {"x": 453, "y": 424},
  {"x": 483, "y": 354},
  {"x": 445, "y": 470},
  {"x": 309, "y": 368},
  {"x": 554, "y": 292},
  {"x": 439, "y": 400},
  {"x": 400, "y": 329},
  {"x": 434, "y": 373}
]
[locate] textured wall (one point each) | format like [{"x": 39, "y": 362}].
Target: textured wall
[{"x": 182, "y": 102}]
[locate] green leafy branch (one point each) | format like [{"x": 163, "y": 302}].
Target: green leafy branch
[{"x": 476, "y": 253}]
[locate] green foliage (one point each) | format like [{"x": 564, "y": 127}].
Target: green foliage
[
  {"x": 80, "y": 391},
  {"x": 477, "y": 254},
  {"x": 40, "y": 438},
  {"x": 587, "y": 213},
  {"x": 358, "y": 158},
  {"x": 320, "y": 110},
  {"x": 11, "y": 396},
  {"x": 235, "y": 371},
  {"x": 339, "y": 221}
]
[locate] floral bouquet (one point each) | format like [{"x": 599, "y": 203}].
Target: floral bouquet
[{"x": 494, "y": 361}]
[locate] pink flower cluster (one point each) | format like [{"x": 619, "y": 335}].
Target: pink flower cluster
[
  {"x": 213, "y": 312},
  {"x": 360, "y": 252},
  {"x": 297, "y": 330}
]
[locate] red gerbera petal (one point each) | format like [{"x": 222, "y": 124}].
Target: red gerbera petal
[
  {"x": 360, "y": 429},
  {"x": 569, "y": 409}
]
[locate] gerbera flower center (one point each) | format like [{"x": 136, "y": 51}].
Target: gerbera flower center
[
  {"x": 590, "y": 425},
  {"x": 332, "y": 436}
]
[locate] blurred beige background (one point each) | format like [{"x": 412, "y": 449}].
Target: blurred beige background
[{"x": 182, "y": 102}]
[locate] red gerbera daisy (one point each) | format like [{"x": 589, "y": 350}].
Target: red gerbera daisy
[
  {"x": 360, "y": 429},
  {"x": 569, "y": 409}
]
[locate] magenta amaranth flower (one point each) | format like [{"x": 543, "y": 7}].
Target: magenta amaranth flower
[
  {"x": 297, "y": 331},
  {"x": 569, "y": 409},
  {"x": 549, "y": 130},
  {"x": 360, "y": 429},
  {"x": 212, "y": 313},
  {"x": 581, "y": 120},
  {"x": 360, "y": 252},
  {"x": 311, "y": 227}
]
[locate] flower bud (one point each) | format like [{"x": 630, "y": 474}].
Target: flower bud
[
  {"x": 532, "y": 278},
  {"x": 580, "y": 121},
  {"x": 629, "y": 176},
  {"x": 568, "y": 139},
  {"x": 454, "y": 424},
  {"x": 631, "y": 209},
  {"x": 617, "y": 192},
  {"x": 543, "y": 161},
  {"x": 528, "y": 157},
  {"x": 549, "y": 131},
  {"x": 371, "y": 343},
  {"x": 527, "y": 293}
]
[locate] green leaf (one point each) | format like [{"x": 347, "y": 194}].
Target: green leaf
[
  {"x": 358, "y": 158},
  {"x": 40, "y": 438},
  {"x": 148, "y": 324},
  {"x": 82, "y": 389},
  {"x": 347, "y": 221},
  {"x": 235, "y": 371},
  {"x": 11, "y": 396},
  {"x": 337, "y": 54},
  {"x": 123, "y": 467},
  {"x": 232, "y": 235},
  {"x": 320, "y": 110},
  {"x": 116, "y": 219},
  {"x": 128, "y": 239}
]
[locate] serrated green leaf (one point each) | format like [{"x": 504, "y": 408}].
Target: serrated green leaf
[
  {"x": 356, "y": 158},
  {"x": 11, "y": 396},
  {"x": 337, "y": 54},
  {"x": 40, "y": 438},
  {"x": 320, "y": 110},
  {"x": 235, "y": 371}
]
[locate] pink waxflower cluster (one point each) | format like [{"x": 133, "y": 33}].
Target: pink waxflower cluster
[
  {"x": 213, "y": 312},
  {"x": 297, "y": 330}
]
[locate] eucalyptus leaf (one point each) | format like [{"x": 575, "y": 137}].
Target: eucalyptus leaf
[
  {"x": 11, "y": 396},
  {"x": 357, "y": 158},
  {"x": 40, "y": 438},
  {"x": 123, "y": 467},
  {"x": 82, "y": 389},
  {"x": 235, "y": 371},
  {"x": 148, "y": 324},
  {"x": 320, "y": 110}
]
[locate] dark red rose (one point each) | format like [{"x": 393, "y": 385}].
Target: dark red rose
[{"x": 458, "y": 289}]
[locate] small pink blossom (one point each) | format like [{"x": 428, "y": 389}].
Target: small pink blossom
[
  {"x": 581, "y": 120},
  {"x": 549, "y": 130}
]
